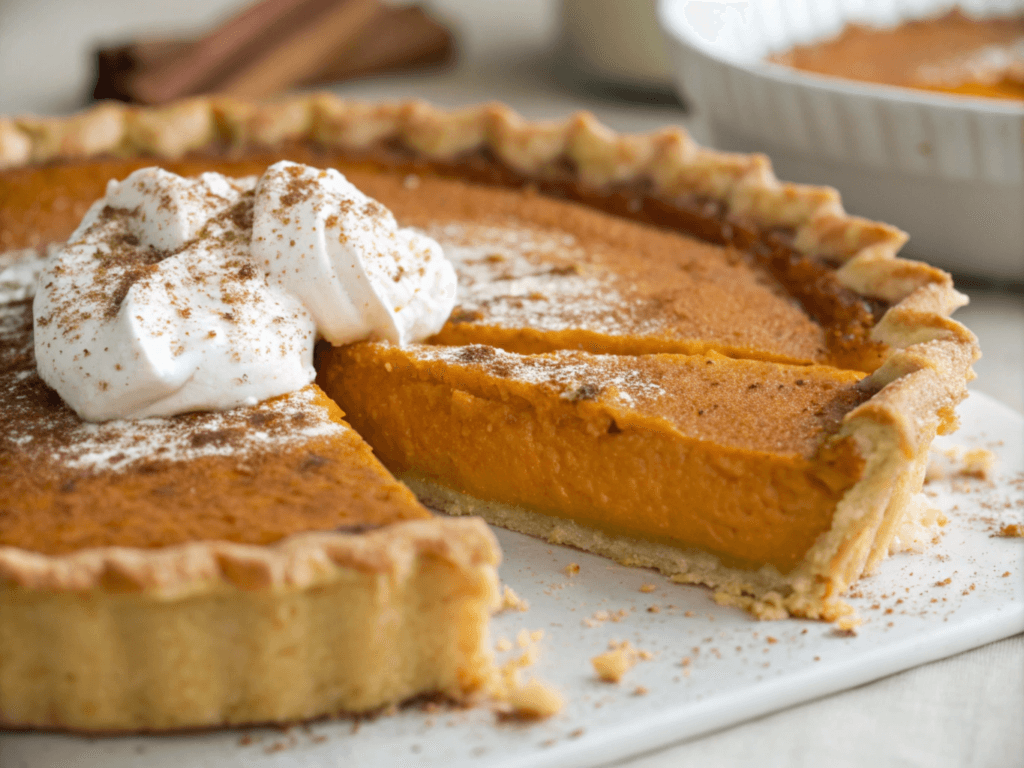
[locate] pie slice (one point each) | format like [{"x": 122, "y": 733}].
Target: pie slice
[
  {"x": 612, "y": 287},
  {"x": 722, "y": 455},
  {"x": 757, "y": 468}
]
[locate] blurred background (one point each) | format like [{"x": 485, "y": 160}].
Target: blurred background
[{"x": 543, "y": 57}]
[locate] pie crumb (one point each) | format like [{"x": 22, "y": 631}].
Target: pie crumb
[
  {"x": 514, "y": 699},
  {"x": 534, "y": 700},
  {"x": 640, "y": 691},
  {"x": 978, "y": 462},
  {"x": 526, "y": 638},
  {"x": 1011, "y": 531},
  {"x": 612, "y": 665},
  {"x": 510, "y": 601},
  {"x": 572, "y": 569},
  {"x": 647, "y": 588},
  {"x": 601, "y": 616},
  {"x": 846, "y": 626},
  {"x": 972, "y": 462}
]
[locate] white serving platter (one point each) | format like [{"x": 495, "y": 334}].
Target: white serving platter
[{"x": 738, "y": 668}]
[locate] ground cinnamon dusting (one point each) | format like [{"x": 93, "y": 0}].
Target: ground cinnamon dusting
[
  {"x": 793, "y": 418},
  {"x": 547, "y": 281}
]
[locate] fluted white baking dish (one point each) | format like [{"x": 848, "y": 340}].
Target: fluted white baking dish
[{"x": 948, "y": 169}]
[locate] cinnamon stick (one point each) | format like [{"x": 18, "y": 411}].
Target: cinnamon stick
[
  {"x": 208, "y": 59},
  {"x": 318, "y": 41},
  {"x": 299, "y": 53},
  {"x": 116, "y": 67},
  {"x": 397, "y": 39}
]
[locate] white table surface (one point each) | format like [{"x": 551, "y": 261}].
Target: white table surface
[{"x": 967, "y": 710}]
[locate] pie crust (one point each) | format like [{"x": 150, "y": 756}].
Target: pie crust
[{"x": 50, "y": 638}]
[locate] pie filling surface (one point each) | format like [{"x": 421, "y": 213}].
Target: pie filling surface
[{"x": 596, "y": 368}]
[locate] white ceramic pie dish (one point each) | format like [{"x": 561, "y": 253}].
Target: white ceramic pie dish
[{"x": 948, "y": 169}]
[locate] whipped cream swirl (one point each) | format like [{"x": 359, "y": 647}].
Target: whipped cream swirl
[
  {"x": 344, "y": 256},
  {"x": 177, "y": 295}
]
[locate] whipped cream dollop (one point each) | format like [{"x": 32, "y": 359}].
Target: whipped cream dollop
[
  {"x": 345, "y": 257},
  {"x": 197, "y": 294}
]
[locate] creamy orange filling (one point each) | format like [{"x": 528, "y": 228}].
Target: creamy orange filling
[
  {"x": 529, "y": 341},
  {"x": 714, "y": 453}
]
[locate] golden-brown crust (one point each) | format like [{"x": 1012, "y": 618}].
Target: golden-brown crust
[
  {"x": 298, "y": 562},
  {"x": 929, "y": 355}
]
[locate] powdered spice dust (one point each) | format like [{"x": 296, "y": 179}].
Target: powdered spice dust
[
  {"x": 796, "y": 407},
  {"x": 300, "y": 188},
  {"x": 124, "y": 263}
]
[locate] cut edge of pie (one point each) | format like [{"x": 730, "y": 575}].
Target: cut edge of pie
[
  {"x": 915, "y": 389},
  {"x": 873, "y": 480}
]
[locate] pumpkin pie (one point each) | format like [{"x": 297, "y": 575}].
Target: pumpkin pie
[
  {"x": 951, "y": 53},
  {"x": 661, "y": 353}
]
